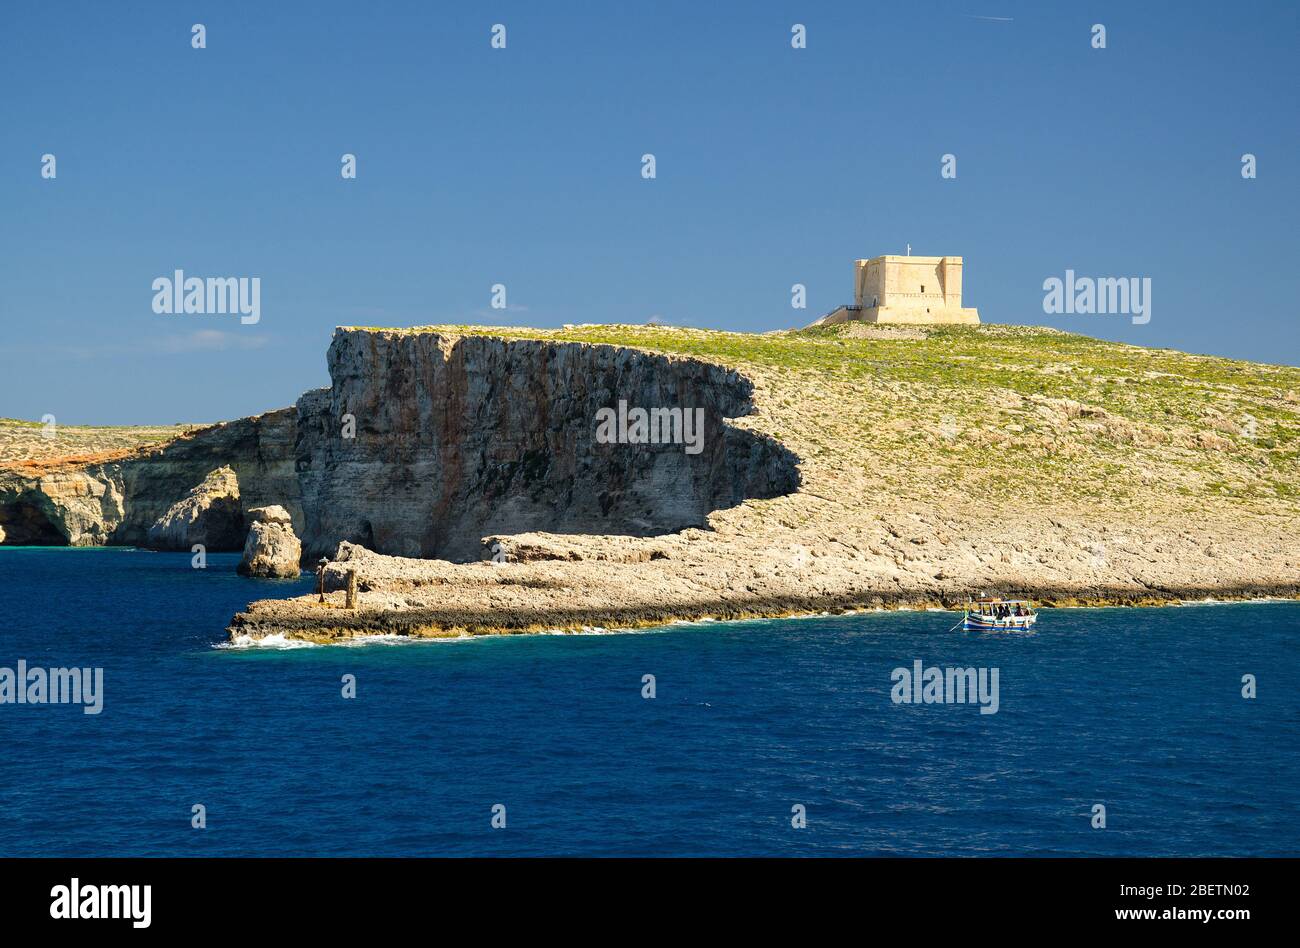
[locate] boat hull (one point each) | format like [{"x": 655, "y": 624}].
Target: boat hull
[{"x": 990, "y": 624}]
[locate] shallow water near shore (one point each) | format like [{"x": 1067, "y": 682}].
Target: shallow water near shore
[{"x": 1137, "y": 709}]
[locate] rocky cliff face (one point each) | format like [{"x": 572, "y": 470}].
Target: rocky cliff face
[
  {"x": 271, "y": 548},
  {"x": 116, "y": 501},
  {"x": 425, "y": 443},
  {"x": 210, "y": 514},
  {"x": 456, "y": 438}
]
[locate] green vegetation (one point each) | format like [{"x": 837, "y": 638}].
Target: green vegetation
[
  {"x": 33, "y": 441},
  {"x": 1004, "y": 409}
]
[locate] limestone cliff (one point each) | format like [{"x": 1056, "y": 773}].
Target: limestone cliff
[
  {"x": 271, "y": 548},
  {"x": 425, "y": 443},
  {"x": 460, "y": 437},
  {"x": 210, "y": 514},
  {"x": 115, "y": 501}
]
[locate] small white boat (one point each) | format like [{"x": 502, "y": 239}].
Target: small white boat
[{"x": 999, "y": 615}]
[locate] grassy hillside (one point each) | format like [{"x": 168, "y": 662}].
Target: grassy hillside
[
  {"x": 28, "y": 441},
  {"x": 1012, "y": 414}
]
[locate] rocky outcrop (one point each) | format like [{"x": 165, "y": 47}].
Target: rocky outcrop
[
  {"x": 107, "y": 502},
  {"x": 259, "y": 450},
  {"x": 58, "y": 507},
  {"x": 209, "y": 514},
  {"x": 693, "y": 577},
  {"x": 272, "y": 548},
  {"x": 427, "y": 442},
  {"x": 456, "y": 438},
  {"x": 272, "y": 514}
]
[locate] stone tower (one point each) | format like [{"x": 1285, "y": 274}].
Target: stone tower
[{"x": 906, "y": 290}]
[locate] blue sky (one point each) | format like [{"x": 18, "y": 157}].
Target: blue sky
[{"x": 522, "y": 166}]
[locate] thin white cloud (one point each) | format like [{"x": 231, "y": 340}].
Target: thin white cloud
[
  {"x": 197, "y": 340},
  {"x": 209, "y": 340}
]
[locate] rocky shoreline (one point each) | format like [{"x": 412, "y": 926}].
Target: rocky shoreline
[
  {"x": 322, "y": 624},
  {"x": 630, "y": 589}
]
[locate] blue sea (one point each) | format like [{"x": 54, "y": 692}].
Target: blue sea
[{"x": 1139, "y": 710}]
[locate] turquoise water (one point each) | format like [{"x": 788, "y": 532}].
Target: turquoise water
[{"x": 1138, "y": 710}]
